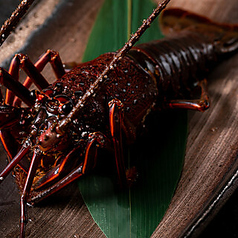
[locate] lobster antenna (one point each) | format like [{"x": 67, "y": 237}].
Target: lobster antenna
[
  {"x": 12, "y": 22},
  {"x": 63, "y": 124}
]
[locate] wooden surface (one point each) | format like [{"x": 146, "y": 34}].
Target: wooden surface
[
  {"x": 209, "y": 173},
  {"x": 212, "y": 146}
]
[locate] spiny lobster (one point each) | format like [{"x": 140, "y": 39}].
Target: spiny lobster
[{"x": 55, "y": 138}]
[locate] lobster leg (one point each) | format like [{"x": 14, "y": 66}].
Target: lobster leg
[
  {"x": 16, "y": 87},
  {"x": 26, "y": 191},
  {"x": 14, "y": 72},
  {"x": 23, "y": 62},
  {"x": 10, "y": 115},
  {"x": 116, "y": 121},
  {"x": 23, "y": 151},
  {"x": 59, "y": 170},
  {"x": 200, "y": 104},
  {"x": 95, "y": 140},
  {"x": 73, "y": 175},
  {"x": 51, "y": 57},
  {"x": 33, "y": 71},
  {"x": 1, "y": 96}
]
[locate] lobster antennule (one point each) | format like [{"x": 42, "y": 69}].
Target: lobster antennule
[
  {"x": 224, "y": 35},
  {"x": 64, "y": 123}
]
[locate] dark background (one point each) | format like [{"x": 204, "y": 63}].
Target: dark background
[{"x": 225, "y": 222}]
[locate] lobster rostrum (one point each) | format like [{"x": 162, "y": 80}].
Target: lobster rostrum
[{"x": 55, "y": 138}]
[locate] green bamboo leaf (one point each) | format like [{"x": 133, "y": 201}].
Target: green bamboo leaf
[
  {"x": 158, "y": 155},
  {"x": 110, "y": 31}
]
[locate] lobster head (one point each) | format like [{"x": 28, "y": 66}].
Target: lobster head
[
  {"x": 57, "y": 152},
  {"x": 47, "y": 112}
]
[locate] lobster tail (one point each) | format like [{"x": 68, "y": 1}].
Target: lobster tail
[{"x": 224, "y": 37}]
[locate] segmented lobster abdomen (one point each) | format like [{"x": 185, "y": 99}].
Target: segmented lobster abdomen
[{"x": 175, "y": 62}]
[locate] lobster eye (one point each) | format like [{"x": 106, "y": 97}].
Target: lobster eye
[
  {"x": 66, "y": 108},
  {"x": 34, "y": 94},
  {"x": 66, "y": 104}
]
